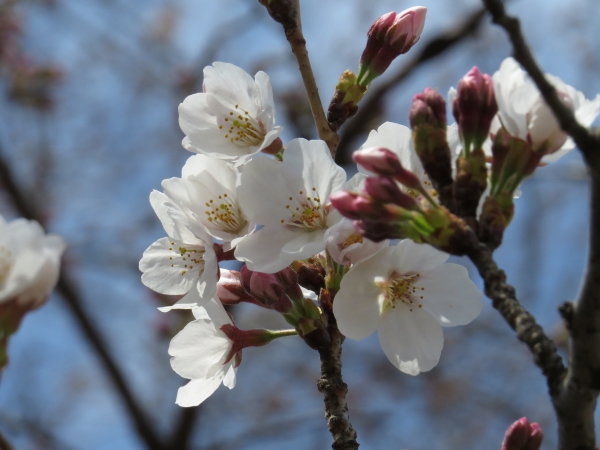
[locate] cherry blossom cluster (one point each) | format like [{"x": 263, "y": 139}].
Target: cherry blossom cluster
[
  {"x": 245, "y": 195},
  {"x": 29, "y": 268}
]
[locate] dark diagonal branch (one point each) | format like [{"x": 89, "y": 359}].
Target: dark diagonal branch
[
  {"x": 575, "y": 403},
  {"x": 184, "y": 430},
  {"x": 374, "y": 99},
  {"x": 4, "y": 444},
  {"x": 504, "y": 299},
  {"x": 72, "y": 298}
]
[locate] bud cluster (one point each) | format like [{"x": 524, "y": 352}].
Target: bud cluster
[
  {"x": 383, "y": 211},
  {"x": 278, "y": 291}
]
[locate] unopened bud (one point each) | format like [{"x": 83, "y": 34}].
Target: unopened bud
[
  {"x": 385, "y": 190},
  {"x": 387, "y": 39},
  {"x": 474, "y": 108},
  {"x": 229, "y": 288},
  {"x": 429, "y": 107},
  {"x": 354, "y": 206},
  {"x": 287, "y": 277},
  {"x": 282, "y": 11},
  {"x": 264, "y": 287},
  {"x": 522, "y": 435},
  {"x": 428, "y": 122},
  {"x": 311, "y": 275},
  {"x": 378, "y": 160}
]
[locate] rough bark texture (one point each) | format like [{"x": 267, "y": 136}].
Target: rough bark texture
[
  {"x": 504, "y": 299},
  {"x": 333, "y": 388}
]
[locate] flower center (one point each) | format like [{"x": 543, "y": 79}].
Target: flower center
[
  {"x": 225, "y": 214},
  {"x": 187, "y": 258},
  {"x": 242, "y": 129},
  {"x": 353, "y": 238},
  {"x": 401, "y": 288},
  {"x": 306, "y": 212},
  {"x": 5, "y": 263}
]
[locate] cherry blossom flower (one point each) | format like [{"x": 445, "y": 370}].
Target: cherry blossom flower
[
  {"x": 173, "y": 265},
  {"x": 29, "y": 263},
  {"x": 408, "y": 293},
  {"x": 207, "y": 193},
  {"x": 234, "y": 118},
  {"x": 524, "y": 113},
  {"x": 346, "y": 245},
  {"x": 290, "y": 199},
  {"x": 201, "y": 353}
]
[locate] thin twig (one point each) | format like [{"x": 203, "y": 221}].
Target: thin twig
[
  {"x": 435, "y": 47},
  {"x": 298, "y": 43},
  {"x": 575, "y": 401},
  {"x": 69, "y": 293}
]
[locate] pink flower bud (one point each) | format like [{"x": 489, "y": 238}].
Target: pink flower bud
[
  {"x": 378, "y": 160},
  {"x": 386, "y": 190},
  {"x": 428, "y": 108},
  {"x": 287, "y": 277},
  {"x": 264, "y": 287},
  {"x": 229, "y": 287},
  {"x": 522, "y": 435},
  {"x": 344, "y": 203},
  {"x": 474, "y": 107},
  {"x": 390, "y": 36},
  {"x": 406, "y": 29},
  {"x": 376, "y": 36}
]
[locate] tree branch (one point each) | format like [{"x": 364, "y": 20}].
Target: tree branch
[
  {"x": 288, "y": 14},
  {"x": 504, "y": 299},
  {"x": 185, "y": 428},
  {"x": 332, "y": 386},
  {"x": 70, "y": 295},
  {"x": 435, "y": 47},
  {"x": 4, "y": 444},
  {"x": 575, "y": 402}
]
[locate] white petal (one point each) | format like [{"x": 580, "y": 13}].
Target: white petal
[
  {"x": 412, "y": 340},
  {"x": 199, "y": 350},
  {"x": 357, "y": 305},
  {"x": 191, "y": 300},
  {"x": 215, "y": 310},
  {"x": 449, "y": 295},
  {"x": 262, "y": 191},
  {"x": 410, "y": 257},
  {"x": 267, "y": 111},
  {"x": 163, "y": 269},
  {"x": 229, "y": 380},
  {"x": 196, "y": 391},
  {"x": 232, "y": 85},
  {"x": 309, "y": 168},
  {"x": 274, "y": 247}
]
